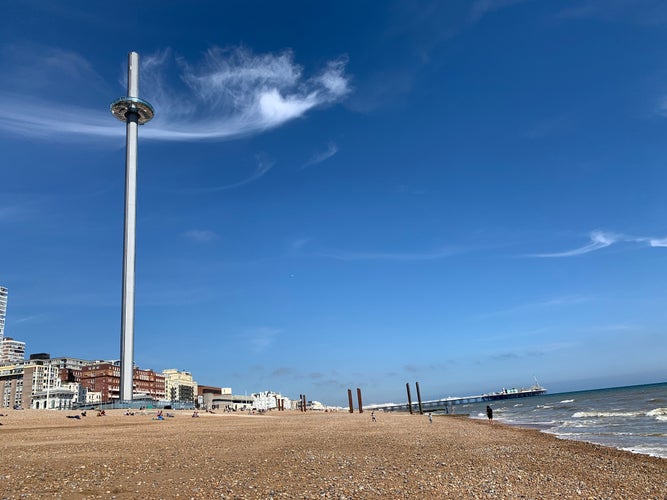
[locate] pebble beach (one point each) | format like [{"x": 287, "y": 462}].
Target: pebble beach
[{"x": 44, "y": 454}]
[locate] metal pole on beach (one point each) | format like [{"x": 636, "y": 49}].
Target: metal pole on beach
[
  {"x": 407, "y": 387},
  {"x": 134, "y": 112},
  {"x": 419, "y": 398}
]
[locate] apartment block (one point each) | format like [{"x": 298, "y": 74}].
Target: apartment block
[
  {"x": 179, "y": 386},
  {"x": 11, "y": 351},
  {"x": 3, "y": 310}
]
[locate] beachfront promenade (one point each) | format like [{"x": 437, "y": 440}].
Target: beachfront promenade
[{"x": 311, "y": 455}]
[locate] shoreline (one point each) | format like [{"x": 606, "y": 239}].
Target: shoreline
[{"x": 312, "y": 455}]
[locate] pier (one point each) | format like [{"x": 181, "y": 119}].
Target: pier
[{"x": 446, "y": 404}]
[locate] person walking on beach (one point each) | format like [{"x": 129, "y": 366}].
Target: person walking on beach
[
  {"x": 373, "y": 419},
  {"x": 489, "y": 413}
]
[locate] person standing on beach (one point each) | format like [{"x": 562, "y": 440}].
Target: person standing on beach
[{"x": 489, "y": 413}]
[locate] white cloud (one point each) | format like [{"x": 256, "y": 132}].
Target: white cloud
[
  {"x": 201, "y": 235},
  {"x": 601, "y": 239},
  {"x": 658, "y": 242},
  {"x": 331, "y": 150},
  {"x": 232, "y": 93}
]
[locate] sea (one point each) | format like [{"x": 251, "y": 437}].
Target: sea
[{"x": 628, "y": 418}]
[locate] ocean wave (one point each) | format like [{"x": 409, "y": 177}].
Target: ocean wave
[
  {"x": 568, "y": 401},
  {"x": 599, "y": 414},
  {"x": 658, "y": 412},
  {"x": 654, "y": 451}
]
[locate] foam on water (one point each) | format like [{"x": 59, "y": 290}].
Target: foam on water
[
  {"x": 627, "y": 418},
  {"x": 602, "y": 414}
]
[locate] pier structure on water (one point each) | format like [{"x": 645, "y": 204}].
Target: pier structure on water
[{"x": 446, "y": 404}]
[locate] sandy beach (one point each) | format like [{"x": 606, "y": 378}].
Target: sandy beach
[{"x": 316, "y": 455}]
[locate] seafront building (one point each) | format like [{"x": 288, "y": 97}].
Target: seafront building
[
  {"x": 179, "y": 386},
  {"x": 104, "y": 377},
  {"x": 3, "y": 310},
  {"x": 11, "y": 351},
  {"x": 20, "y": 383},
  {"x": 43, "y": 382}
]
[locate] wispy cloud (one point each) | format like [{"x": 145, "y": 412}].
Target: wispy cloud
[
  {"x": 26, "y": 319},
  {"x": 232, "y": 93},
  {"x": 598, "y": 239},
  {"x": 530, "y": 352},
  {"x": 303, "y": 247},
  {"x": 657, "y": 242},
  {"x": 564, "y": 300},
  {"x": 405, "y": 257},
  {"x": 261, "y": 338},
  {"x": 201, "y": 235},
  {"x": 331, "y": 150},
  {"x": 283, "y": 372},
  {"x": 264, "y": 164},
  {"x": 603, "y": 239}
]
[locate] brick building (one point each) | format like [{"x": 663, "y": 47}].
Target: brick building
[{"x": 104, "y": 377}]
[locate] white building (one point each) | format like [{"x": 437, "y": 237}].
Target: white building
[
  {"x": 179, "y": 386},
  {"x": 3, "y": 310},
  {"x": 11, "y": 351},
  {"x": 20, "y": 382},
  {"x": 53, "y": 399},
  {"x": 268, "y": 400}
]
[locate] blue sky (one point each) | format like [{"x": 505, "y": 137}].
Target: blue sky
[{"x": 339, "y": 195}]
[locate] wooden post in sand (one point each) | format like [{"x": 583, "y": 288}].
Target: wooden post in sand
[
  {"x": 419, "y": 398},
  {"x": 361, "y": 406},
  {"x": 407, "y": 387},
  {"x": 349, "y": 398}
]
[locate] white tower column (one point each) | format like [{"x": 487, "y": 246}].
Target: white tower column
[{"x": 134, "y": 112}]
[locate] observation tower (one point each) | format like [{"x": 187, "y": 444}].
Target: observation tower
[{"x": 134, "y": 112}]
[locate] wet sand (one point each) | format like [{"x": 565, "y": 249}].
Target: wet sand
[{"x": 43, "y": 454}]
